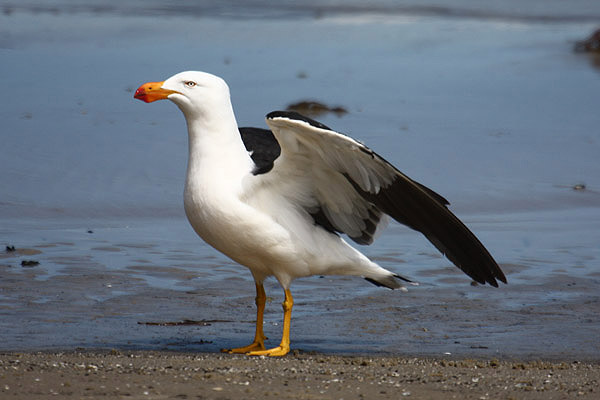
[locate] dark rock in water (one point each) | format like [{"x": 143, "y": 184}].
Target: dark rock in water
[
  {"x": 311, "y": 108},
  {"x": 589, "y": 45},
  {"x": 29, "y": 263},
  {"x": 301, "y": 75}
]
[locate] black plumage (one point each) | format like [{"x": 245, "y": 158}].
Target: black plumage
[
  {"x": 413, "y": 205},
  {"x": 262, "y": 146}
]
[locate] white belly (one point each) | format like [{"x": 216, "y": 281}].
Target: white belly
[
  {"x": 247, "y": 236},
  {"x": 271, "y": 238}
]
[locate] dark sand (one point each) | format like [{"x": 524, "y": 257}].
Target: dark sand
[{"x": 163, "y": 375}]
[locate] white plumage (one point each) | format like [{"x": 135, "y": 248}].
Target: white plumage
[{"x": 281, "y": 216}]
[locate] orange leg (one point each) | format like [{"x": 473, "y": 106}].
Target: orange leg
[
  {"x": 259, "y": 336},
  {"x": 284, "y": 347}
]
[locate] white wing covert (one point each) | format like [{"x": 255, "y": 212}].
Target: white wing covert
[
  {"x": 348, "y": 188},
  {"x": 330, "y": 163}
]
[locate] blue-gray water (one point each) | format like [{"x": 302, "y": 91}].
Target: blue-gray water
[{"x": 489, "y": 107}]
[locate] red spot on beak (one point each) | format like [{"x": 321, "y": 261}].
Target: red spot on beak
[{"x": 152, "y": 91}]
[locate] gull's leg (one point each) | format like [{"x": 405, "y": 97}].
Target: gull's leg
[
  {"x": 284, "y": 347},
  {"x": 259, "y": 336}
]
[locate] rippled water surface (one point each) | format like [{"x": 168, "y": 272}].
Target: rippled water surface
[{"x": 489, "y": 107}]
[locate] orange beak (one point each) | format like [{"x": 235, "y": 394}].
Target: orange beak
[{"x": 152, "y": 91}]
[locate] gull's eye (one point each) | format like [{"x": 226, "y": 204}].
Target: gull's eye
[{"x": 190, "y": 83}]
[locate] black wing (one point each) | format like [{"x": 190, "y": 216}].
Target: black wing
[
  {"x": 262, "y": 146},
  {"x": 374, "y": 187}
]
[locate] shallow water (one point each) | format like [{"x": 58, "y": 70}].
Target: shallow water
[{"x": 493, "y": 111}]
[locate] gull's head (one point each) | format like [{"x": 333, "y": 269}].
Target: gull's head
[{"x": 194, "y": 92}]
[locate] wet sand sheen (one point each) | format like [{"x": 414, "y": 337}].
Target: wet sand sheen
[{"x": 100, "y": 291}]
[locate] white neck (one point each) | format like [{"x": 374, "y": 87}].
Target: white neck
[{"x": 217, "y": 155}]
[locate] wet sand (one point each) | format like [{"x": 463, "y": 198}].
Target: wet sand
[
  {"x": 98, "y": 285},
  {"x": 128, "y": 287},
  {"x": 158, "y": 375}
]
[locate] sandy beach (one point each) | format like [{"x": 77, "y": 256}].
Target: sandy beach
[{"x": 167, "y": 375}]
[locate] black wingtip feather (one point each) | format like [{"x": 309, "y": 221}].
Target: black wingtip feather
[
  {"x": 410, "y": 204},
  {"x": 403, "y": 278},
  {"x": 389, "y": 281},
  {"x": 374, "y": 282}
]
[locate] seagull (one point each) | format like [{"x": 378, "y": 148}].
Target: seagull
[{"x": 277, "y": 201}]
